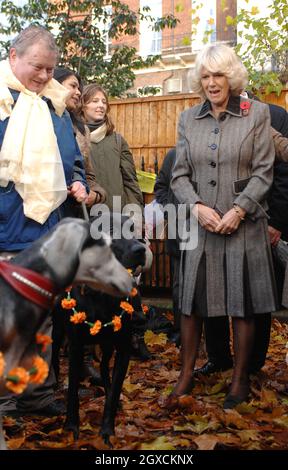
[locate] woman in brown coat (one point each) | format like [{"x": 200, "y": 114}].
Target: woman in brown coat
[
  {"x": 111, "y": 156},
  {"x": 223, "y": 172}
]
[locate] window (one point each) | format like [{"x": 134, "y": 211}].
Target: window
[
  {"x": 104, "y": 26},
  {"x": 150, "y": 41}
]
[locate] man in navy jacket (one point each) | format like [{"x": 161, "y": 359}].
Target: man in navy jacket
[{"x": 32, "y": 59}]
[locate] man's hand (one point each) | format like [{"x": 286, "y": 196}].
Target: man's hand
[
  {"x": 274, "y": 235},
  {"x": 78, "y": 191}
]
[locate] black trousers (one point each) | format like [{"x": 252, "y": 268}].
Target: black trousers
[
  {"x": 175, "y": 266},
  {"x": 217, "y": 336}
]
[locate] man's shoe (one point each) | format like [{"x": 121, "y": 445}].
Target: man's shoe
[
  {"x": 211, "y": 367},
  {"x": 54, "y": 408}
]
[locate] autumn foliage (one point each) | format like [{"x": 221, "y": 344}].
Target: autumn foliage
[{"x": 195, "y": 421}]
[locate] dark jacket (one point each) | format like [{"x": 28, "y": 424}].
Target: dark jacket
[
  {"x": 17, "y": 231},
  {"x": 164, "y": 195},
  {"x": 278, "y": 197}
]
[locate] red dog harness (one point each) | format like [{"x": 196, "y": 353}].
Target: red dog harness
[{"x": 31, "y": 285}]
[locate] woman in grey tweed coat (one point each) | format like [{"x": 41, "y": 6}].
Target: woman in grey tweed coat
[{"x": 223, "y": 170}]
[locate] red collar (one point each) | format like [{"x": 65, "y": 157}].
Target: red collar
[{"x": 31, "y": 285}]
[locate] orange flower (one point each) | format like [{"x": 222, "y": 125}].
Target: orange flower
[
  {"x": 117, "y": 323},
  {"x": 127, "y": 307},
  {"x": 96, "y": 328},
  {"x": 145, "y": 308},
  {"x": 78, "y": 317},
  {"x": 2, "y": 364},
  {"x": 17, "y": 380},
  {"x": 67, "y": 304},
  {"x": 44, "y": 340},
  {"x": 39, "y": 371},
  {"x": 133, "y": 292}
]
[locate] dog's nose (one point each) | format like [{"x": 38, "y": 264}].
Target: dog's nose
[{"x": 138, "y": 249}]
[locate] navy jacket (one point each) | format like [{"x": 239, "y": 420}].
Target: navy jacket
[
  {"x": 164, "y": 195},
  {"x": 278, "y": 198},
  {"x": 17, "y": 231}
]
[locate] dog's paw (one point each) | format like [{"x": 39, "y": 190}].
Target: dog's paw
[
  {"x": 105, "y": 433},
  {"x": 72, "y": 427},
  {"x": 106, "y": 440}
]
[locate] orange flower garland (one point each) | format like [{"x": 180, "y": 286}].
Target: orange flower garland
[
  {"x": 44, "y": 340},
  {"x": 17, "y": 380},
  {"x": 68, "y": 303},
  {"x": 117, "y": 323},
  {"x": 95, "y": 328},
  {"x": 2, "y": 364},
  {"x": 127, "y": 307},
  {"x": 133, "y": 292},
  {"x": 78, "y": 317},
  {"x": 39, "y": 371}
]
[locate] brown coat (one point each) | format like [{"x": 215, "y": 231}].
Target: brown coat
[{"x": 116, "y": 170}]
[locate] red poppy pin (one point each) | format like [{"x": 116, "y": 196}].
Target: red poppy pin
[{"x": 245, "y": 106}]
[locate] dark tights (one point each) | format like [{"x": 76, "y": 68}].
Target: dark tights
[
  {"x": 243, "y": 337},
  {"x": 191, "y": 332}
]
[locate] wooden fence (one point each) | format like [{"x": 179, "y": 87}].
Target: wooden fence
[
  {"x": 150, "y": 127},
  {"x": 150, "y": 124}
]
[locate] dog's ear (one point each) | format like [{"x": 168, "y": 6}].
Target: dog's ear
[{"x": 62, "y": 247}]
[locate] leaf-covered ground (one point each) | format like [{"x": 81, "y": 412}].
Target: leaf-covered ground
[{"x": 196, "y": 422}]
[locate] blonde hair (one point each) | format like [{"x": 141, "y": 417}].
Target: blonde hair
[
  {"x": 88, "y": 94},
  {"x": 222, "y": 59}
]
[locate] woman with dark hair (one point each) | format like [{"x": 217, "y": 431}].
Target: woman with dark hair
[
  {"x": 72, "y": 81},
  {"x": 111, "y": 156}
]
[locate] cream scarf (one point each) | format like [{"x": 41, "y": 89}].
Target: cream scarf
[
  {"x": 30, "y": 155},
  {"x": 99, "y": 134}
]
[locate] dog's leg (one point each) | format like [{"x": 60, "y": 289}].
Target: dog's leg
[
  {"x": 76, "y": 356},
  {"x": 112, "y": 399},
  {"x": 107, "y": 351},
  {"x": 58, "y": 335},
  {"x": 2, "y": 439}
]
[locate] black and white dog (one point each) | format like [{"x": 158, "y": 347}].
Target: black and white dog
[{"x": 30, "y": 282}]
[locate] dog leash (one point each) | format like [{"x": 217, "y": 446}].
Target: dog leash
[{"x": 85, "y": 212}]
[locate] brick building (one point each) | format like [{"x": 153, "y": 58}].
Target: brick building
[{"x": 178, "y": 46}]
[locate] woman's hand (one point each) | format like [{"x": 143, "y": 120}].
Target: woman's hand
[
  {"x": 93, "y": 198},
  {"x": 229, "y": 223},
  {"x": 207, "y": 217},
  {"x": 78, "y": 191}
]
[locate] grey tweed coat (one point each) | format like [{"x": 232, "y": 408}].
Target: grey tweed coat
[{"x": 221, "y": 162}]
